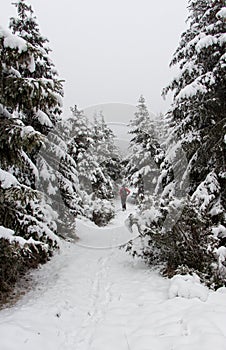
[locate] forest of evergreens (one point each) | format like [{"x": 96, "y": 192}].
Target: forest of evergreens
[{"x": 54, "y": 170}]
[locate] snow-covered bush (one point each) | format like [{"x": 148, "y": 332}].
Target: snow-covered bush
[
  {"x": 101, "y": 212},
  {"x": 187, "y": 286},
  {"x": 183, "y": 247}
]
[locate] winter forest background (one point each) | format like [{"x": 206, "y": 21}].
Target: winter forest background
[{"x": 54, "y": 170}]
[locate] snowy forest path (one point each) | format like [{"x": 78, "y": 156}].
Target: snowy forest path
[{"x": 99, "y": 297}]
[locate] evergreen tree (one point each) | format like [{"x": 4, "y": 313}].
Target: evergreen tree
[
  {"x": 199, "y": 110},
  {"x": 39, "y": 72},
  {"x": 18, "y": 141},
  {"x": 58, "y": 180},
  {"x": 83, "y": 148},
  {"x": 28, "y": 221},
  {"x": 188, "y": 229},
  {"x": 94, "y": 185},
  {"x": 43, "y": 115},
  {"x": 28, "y": 230},
  {"x": 107, "y": 152},
  {"x": 145, "y": 153}
]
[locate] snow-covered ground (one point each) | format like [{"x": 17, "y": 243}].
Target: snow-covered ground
[{"x": 93, "y": 296}]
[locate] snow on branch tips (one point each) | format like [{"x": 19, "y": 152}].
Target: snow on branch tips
[
  {"x": 191, "y": 90},
  {"x": 206, "y": 191},
  {"x": 222, "y": 13},
  {"x": 13, "y": 41},
  {"x": 9, "y": 235},
  {"x": 7, "y": 180},
  {"x": 205, "y": 42}
]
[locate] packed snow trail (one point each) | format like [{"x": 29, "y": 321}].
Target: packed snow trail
[{"x": 103, "y": 299}]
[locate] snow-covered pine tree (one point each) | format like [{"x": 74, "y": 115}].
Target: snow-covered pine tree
[
  {"x": 193, "y": 172},
  {"x": 27, "y": 227},
  {"x": 92, "y": 179},
  {"x": 145, "y": 153},
  {"x": 82, "y": 148},
  {"x": 73, "y": 196},
  {"x": 199, "y": 112},
  {"x": 58, "y": 179},
  {"x": 58, "y": 185},
  {"x": 107, "y": 152},
  {"x": 38, "y": 186},
  {"x": 199, "y": 92},
  {"x": 44, "y": 109}
]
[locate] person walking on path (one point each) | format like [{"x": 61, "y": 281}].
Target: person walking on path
[{"x": 124, "y": 192}]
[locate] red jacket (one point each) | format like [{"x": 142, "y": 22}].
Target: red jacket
[{"x": 121, "y": 192}]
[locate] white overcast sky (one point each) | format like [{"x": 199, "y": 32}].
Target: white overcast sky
[{"x": 110, "y": 50}]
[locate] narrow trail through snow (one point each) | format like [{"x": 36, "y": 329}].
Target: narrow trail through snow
[{"x": 103, "y": 299}]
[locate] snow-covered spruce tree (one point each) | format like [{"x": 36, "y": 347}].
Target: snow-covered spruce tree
[
  {"x": 32, "y": 185},
  {"x": 58, "y": 180},
  {"x": 93, "y": 182},
  {"x": 145, "y": 153},
  {"x": 43, "y": 114},
  {"x": 44, "y": 109},
  {"x": 73, "y": 196},
  {"x": 28, "y": 223},
  {"x": 195, "y": 240},
  {"x": 107, "y": 152}
]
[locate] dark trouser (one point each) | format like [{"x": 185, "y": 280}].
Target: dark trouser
[{"x": 123, "y": 201}]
